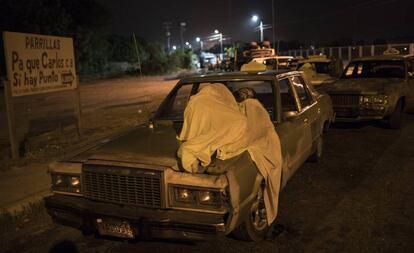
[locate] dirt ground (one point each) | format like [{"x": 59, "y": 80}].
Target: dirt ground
[
  {"x": 46, "y": 124},
  {"x": 359, "y": 198}
]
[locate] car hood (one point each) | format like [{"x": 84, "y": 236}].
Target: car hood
[
  {"x": 363, "y": 85},
  {"x": 143, "y": 145}
]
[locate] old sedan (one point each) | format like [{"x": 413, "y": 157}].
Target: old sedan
[
  {"x": 132, "y": 186},
  {"x": 374, "y": 88}
]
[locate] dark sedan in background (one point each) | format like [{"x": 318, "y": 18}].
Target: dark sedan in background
[{"x": 374, "y": 88}]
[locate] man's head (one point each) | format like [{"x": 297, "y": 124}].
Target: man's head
[{"x": 243, "y": 94}]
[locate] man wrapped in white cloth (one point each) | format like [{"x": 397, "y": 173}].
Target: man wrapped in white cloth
[{"x": 215, "y": 122}]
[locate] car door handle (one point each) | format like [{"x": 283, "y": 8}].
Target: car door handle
[{"x": 305, "y": 121}]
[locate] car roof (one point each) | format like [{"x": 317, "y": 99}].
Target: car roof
[
  {"x": 237, "y": 75},
  {"x": 272, "y": 57},
  {"x": 315, "y": 60},
  {"x": 384, "y": 57}
]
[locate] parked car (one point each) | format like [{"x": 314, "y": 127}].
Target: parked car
[
  {"x": 132, "y": 185},
  {"x": 374, "y": 88},
  {"x": 320, "y": 70},
  {"x": 274, "y": 62}
]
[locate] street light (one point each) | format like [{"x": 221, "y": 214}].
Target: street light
[
  {"x": 255, "y": 18},
  {"x": 188, "y": 44},
  {"x": 201, "y": 43},
  {"x": 174, "y": 47}
]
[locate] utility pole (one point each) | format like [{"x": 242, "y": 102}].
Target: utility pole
[
  {"x": 182, "y": 30},
  {"x": 138, "y": 58},
  {"x": 229, "y": 21},
  {"x": 221, "y": 46},
  {"x": 261, "y": 31},
  {"x": 273, "y": 24},
  {"x": 167, "y": 26}
]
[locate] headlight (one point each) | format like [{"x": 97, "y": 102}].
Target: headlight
[
  {"x": 74, "y": 181},
  {"x": 182, "y": 196},
  {"x": 375, "y": 99},
  {"x": 209, "y": 197},
  {"x": 66, "y": 183},
  {"x": 59, "y": 180}
]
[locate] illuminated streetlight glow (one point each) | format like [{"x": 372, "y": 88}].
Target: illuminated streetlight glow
[
  {"x": 198, "y": 39},
  {"x": 216, "y": 31},
  {"x": 174, "y": 47},
  {"x": 187, "y": 43},
  {"x": 255, "y": 18}
]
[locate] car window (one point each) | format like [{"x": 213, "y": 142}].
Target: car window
[
  {"x": 322, "y": 67},
  {"x": 375, "y": 69},
  {"x": 263, "y": 89},
  {"x": 176, "y": 105},
  {"x": 286, "y": 95},
  {"x": 303, "y": 93}
]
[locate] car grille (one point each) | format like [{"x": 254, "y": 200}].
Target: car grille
[
  {"x": 344, "y": 99},
  {"x": 122, "y": 185}
]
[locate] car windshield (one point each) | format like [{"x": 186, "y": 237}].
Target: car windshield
[
  {"x": 375, "y": 69},
  {"x": 281, "y": 63},
  {"x": 174, "y": 105},
  {"x": 320, "y": 67}
]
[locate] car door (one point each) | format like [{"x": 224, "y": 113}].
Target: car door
[
  {"x": 294, "y": 130},
  {"x": 309, "y": 107}
]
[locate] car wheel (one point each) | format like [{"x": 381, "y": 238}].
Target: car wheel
[
  {"x": 395, "y": 120},
  {"x": 317, "y": 154},
  {"x": 255, "y": 227}
]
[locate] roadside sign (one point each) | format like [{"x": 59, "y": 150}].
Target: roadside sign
[{"x": 39, "y": 63}]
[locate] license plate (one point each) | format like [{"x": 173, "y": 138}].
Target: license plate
[{"x": 115, "y": 228}]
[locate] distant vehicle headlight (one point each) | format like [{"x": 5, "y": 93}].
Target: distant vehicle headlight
[
  {"x": 66, "y": 183},
  {"x": 375, "y": 99},
  {"x": 75, "y": 181},
  {"x": 192, "y": 197}
]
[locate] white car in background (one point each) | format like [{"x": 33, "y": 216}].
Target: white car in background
[
  {"x": 320, "y": 70},
  {"x": 274, "y": 62}
]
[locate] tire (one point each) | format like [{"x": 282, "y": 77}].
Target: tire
[
  {"x": 317, "y": 154},
  {"x": 255, "y": 227},
  {"x": 395, "y": 119}
]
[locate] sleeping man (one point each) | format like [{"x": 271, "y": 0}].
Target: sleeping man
[{"x": 215, "y": 123}]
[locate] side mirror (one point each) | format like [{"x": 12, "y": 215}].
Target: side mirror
[{"x": 290, "y": 115}]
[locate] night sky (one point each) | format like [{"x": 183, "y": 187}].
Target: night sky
[{"x": 305, "y": 20}]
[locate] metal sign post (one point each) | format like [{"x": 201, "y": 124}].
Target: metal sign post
[
  {"x": 11, "y": 121},
  {"x": 78, "y": 108}
]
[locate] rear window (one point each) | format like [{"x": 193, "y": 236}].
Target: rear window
[
  {"x": 175, "y": 105},
  {"x": 375, "y": 69}
]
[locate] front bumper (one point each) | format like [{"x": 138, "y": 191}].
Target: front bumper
[
  {"x": 147, "y": 223},
  {"x": 359, "y": 113}
]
